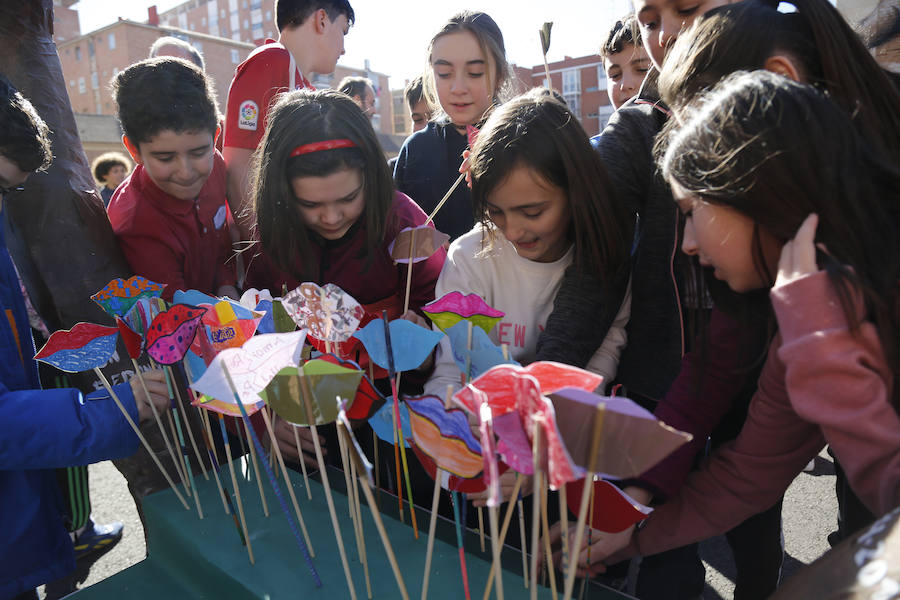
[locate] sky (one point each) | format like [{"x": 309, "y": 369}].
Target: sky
[{"x": 394, "y": 39}]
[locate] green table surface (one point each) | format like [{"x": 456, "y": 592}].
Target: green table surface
[{"x": 193, "y": 558}]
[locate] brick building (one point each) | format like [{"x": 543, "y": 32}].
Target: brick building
[
  {"x": 90, "y": 61},
  {"x": 581, "y": 81}
]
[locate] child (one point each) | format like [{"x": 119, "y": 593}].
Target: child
[
  {"x": 110, "y": 169},
  {"x": 170, "y": 215},
  {"x": 625, "y": 61},
  {"x": 327, "y": 211},
  {"x": 466, "y": 75},
  {"x": 419, "y": 113},
  {"x": 544, "y": 203},
  {"x": 766, "y": 171},
  {"x": 66, "y": 430},
  {"x": 310, "y": 40}
]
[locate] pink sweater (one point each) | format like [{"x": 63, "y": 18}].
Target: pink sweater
[{"x": 820, "y": 384}]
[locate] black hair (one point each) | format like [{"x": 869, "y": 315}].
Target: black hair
[
  {"x": 26, "y": 138},
  {"x": 292, "y": 13},
  {"x": 103, "y": 163},
  {"x": 304, "y": 117},
  {"x": 625, "y": 31},
  {"x": 165, "y": 93}
]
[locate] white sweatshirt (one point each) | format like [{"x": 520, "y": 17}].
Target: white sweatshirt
[{"x": 521, "y": 288}]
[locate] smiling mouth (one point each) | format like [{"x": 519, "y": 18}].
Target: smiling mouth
[{"x": 527, "y": 245}]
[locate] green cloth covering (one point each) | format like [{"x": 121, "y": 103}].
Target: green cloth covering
[{"x": 193, "y": 558}]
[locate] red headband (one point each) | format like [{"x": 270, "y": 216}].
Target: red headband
[{"x": 324, "y": 145}]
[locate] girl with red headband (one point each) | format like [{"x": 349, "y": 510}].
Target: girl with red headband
[{"x": 327, "y": 210}]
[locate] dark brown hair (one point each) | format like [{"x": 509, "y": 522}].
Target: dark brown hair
[
  {"x": 777, "y": 151},
  {"x": 824, "y": 48},
  {"x": 292, "y": 13},
  {"x": 106, "y": 161},
  {"x": 303, "y": 117},
  {"x": 537, "y": 131}
]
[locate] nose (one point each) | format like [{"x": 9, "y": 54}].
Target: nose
[
  {"x": 331, "y": 215},
  {"x": 689, "y": 239},
  {"x": 184, "y": 170},
  {"x": 669, "y": 27},
  {"x": 458, "y": 85}
]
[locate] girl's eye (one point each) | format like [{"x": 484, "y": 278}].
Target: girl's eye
[
  {"x": 615, "y": 76},
  {"x": 533, "y": 215},
  {"x": 494, "y": 212},
  {"x": 649, "y": 25},
  {"x": 686, "y": 12},
  {"x": 476, "y": 75},
  {"x": 307, "y": 205},
  {"x": 445, "y": 75}
]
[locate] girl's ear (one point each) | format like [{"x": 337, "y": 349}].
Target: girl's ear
[
  {"x": 782, "y": 65},
  {"x": 132, "y": 150}
]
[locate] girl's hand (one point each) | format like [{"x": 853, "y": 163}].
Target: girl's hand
[
  {"x": 414, "y": 317},
  {"x": 284, "y": 437},
  {"x": 798, "y": 257},
  {"x": 507, "y": 483},
  {"x": 159, "y": 393},
  {"x": 464, "y": 167}
]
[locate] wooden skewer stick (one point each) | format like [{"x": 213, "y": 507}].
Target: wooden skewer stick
[
  {"x": 535, "y": 507},
  {"x": 547, "y": 555},
  {"x": 140, "y": 435},
  {"x": 305, "y": 394},
  {"x": 177, "y": 437},
  {"x": 504, "y": 529},
  {"x": 187, "y": 423},
  {"x": 288, "y": 484},
  {"x": 520, "y": 509},
  {"x": 206, "y": 434},
  {"x": 350, "y": 476},
  {"x": 435, "y": 496},
  {"x": 259, "y": 484},
  {"x": 304, "y": 548},
  {"x": 409, "y": 267},
  {"x": 445, "y": 198},
  {"x": 496, "y": 543},
  {"x": 564, "y": 523},
  {"x": 583, "y": 506},
  {"x": 386, "y": 542},
  {"x": 162, "y": 430},
  {"x": 302, "y": 462},
  {"x": 362, "y": 535},
  {"x": 170, "y": 384},
  {"x": 237, "y": 490},
  {"x": 207, "y": 440}
]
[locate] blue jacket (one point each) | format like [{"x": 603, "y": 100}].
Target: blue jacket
[
  {"x": 41, "y": 430},
  {"x": 426, "y": 168}
]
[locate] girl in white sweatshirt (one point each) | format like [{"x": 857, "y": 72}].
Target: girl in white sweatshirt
[{"x": 542, "y": 203}]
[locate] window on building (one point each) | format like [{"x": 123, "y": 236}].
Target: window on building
[
  {"x": 246, "y": 24},
  {"x": 197, "y": 44},
  {"x": 115, "y": 71},
  {"x": 81, "y": 87},
  {"x": 592, "y": 88},
  {"x": 232, "y": 6},
  {"x": 268, "y": 16},
  {"x": 244, "y": 4},
  {"x": 571, "y": 82},
  {"x": 95, "y": 81},
  {"x": 202, "y": 21},
  {"x": 77, "y": 52},
  {"x": 236, "y": 36},
  {"x": 601, "y": 76},
  {"x": 112, "y": 41},
  {"x": 222, "y": 14},
  {"x": 91, "y": 48},
  {"x": 71, "y": 83},
  {"x": 182, "y": 21},
  {"x": 235, "y": 22},
  {"x": 235, "y": 56}
]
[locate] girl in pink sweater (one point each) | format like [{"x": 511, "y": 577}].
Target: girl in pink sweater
[{"x": 781, "y": 191}]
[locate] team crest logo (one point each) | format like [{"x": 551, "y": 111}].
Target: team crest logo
[{"x": 248, "y": 115}]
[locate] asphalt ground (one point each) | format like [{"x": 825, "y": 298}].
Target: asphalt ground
[{"x": 809, "y": 515}]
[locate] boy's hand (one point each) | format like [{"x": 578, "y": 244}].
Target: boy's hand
[
  {"x": 159, "y": 393},
  {"x": 464, "y": 167},
  {"x": 798, "y": 257}
]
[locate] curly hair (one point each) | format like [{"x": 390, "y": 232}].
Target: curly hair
[{"x": 26, "y": 138}]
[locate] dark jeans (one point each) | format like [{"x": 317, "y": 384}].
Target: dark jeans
[{"x": 758, "y": 548}]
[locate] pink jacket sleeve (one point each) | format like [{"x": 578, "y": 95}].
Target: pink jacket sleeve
[
  {"x": 821, "y": 382},
  {"x": 841, "y": 381}
]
